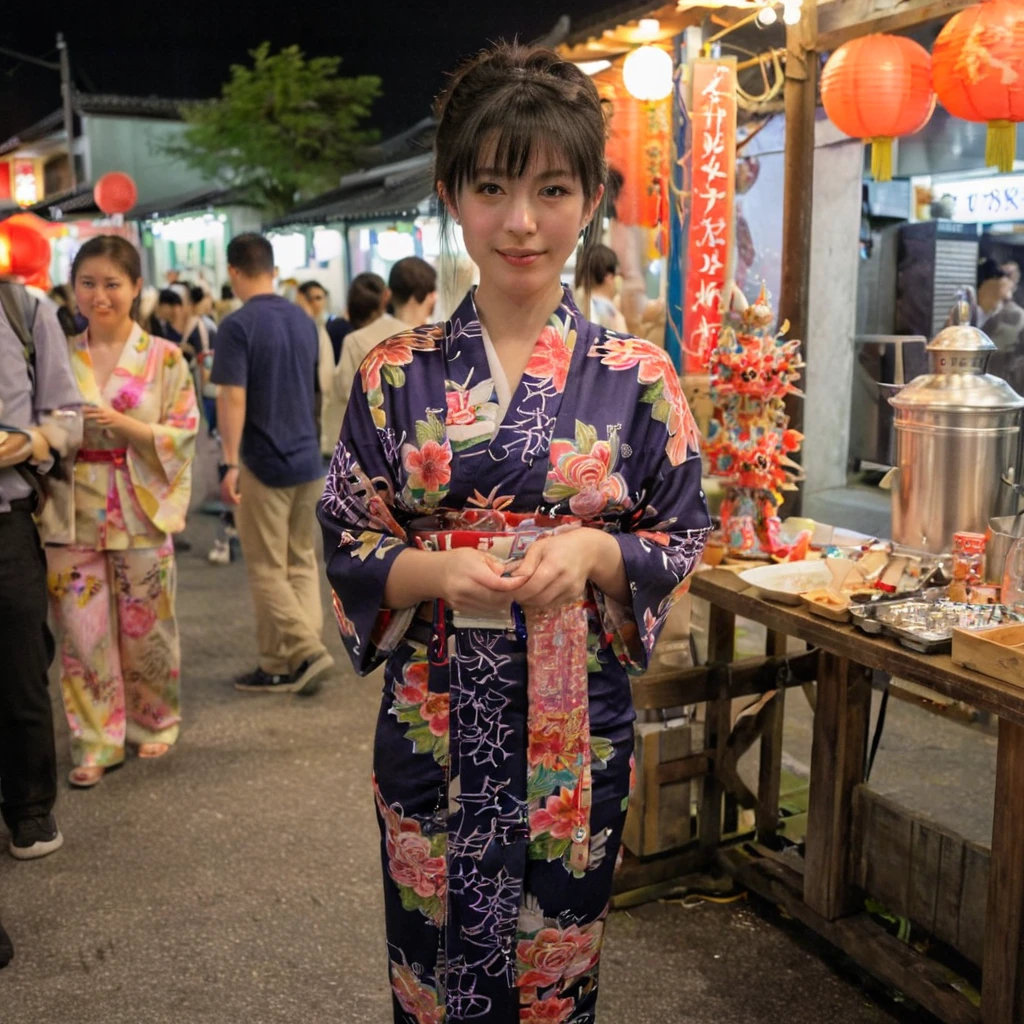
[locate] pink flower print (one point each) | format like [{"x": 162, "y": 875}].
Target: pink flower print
[
  {"x": 414, "y": 997},
  {"x": 547, "y": 1011},
  {"x": 345, "y": 624},
  {"x": 413, "y": 687},
  {"x": 396, "y": 352},
  {"x": 555, "y": 955},
  {"x": 434, "y": 711},
  {"x": 410, "y": 862},
  {"x": 551, "y": 358},
  {"x": 129, "y": 396},
  {"x": 136, "y": 617},
  {"x": 429, "y": 468},
  {"x": 461, "y": 412},
  {"x": 558, "y": 816},
  {"x": 589, "y": 475},
  {"x": 547, "y": 747}
]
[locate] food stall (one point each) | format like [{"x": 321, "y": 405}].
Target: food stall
[{"x": 937, "y": 608}]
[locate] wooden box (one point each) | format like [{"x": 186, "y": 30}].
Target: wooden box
[
  {"x": 659, "y": 817},
  {"x": 997, "y": 652}
]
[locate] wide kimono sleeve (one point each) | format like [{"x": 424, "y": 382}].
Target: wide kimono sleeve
[
  {"x": 362, "y": 538},
  {"x": 164, "y": 486},
  {"x": 664, "y": 540}
]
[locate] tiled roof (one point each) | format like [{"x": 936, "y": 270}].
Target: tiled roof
[
  {"x": 75, "y": 202},
  {"x": 99, "y": 105},
  {"x": 199, "y": 199},
  {"x": 400, "y": 195}
]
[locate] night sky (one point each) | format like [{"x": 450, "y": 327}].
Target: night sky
[{"x": 184, "y": 49}]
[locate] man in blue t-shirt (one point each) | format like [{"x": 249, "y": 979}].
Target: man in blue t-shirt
[{"x": 267, "y": 396}]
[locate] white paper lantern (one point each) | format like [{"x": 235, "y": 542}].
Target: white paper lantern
[{"x": 647, "y": 74}]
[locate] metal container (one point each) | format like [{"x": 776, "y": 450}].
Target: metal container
[{"x": 958, "y": 451}]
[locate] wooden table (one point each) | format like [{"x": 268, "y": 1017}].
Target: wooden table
[{"x": 825, "y": 896}]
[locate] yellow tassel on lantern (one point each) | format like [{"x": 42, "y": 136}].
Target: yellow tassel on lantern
[
  {"x": 1001, "y": 145},
  {"x": 881, "y": 158}
]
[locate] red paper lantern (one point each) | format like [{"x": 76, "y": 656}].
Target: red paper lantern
[
  {"x": 24, "y": 252},
  {"x": 878, "y": 88},
  {"x": 978, "y": 70},
  {"x": 115, "y": 192}
]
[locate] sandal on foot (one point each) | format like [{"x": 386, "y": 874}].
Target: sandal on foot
[
  {"x": 151, "y": 750},
  {"x": 86, "y": 776}
]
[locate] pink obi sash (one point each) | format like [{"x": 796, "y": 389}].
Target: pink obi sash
[{"x": 556, "y": 651}]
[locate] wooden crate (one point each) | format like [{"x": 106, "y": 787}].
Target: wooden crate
[
  {"x": 922, "y": 871},
  {"x": 997, "y": 652},
  {"x": 659, "y": 817}
]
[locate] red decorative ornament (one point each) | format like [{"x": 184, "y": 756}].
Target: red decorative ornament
[
  {"x": 24, "y": 252},
  {"x": 115, "y": 192},
  {"x": 879, "y": 88},
  {"x": 978, "y": 70}
]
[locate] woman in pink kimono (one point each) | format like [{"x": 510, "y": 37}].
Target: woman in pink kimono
[
  {"x": 516, "y": 453},
  {"x": 112, "y": 584}
]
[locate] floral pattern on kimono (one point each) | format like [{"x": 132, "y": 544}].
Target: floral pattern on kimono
[
  {"x": 135, "y": 501},
  {"x": 508, "y": 930}
]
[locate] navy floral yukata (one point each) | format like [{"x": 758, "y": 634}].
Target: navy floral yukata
[{"x": 488, "y": 916}]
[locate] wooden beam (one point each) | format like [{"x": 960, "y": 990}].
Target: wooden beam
[
  {"x": 1002, "y": 994},
  {"x": 837, "y": 768},
  {"x": 838, "y": 23},
  {"x": 717, "y": 724},
  {"x": 677, "y": 688},
  {"x": 769, "y": 775},
  {"x": 801, "y": 99}
]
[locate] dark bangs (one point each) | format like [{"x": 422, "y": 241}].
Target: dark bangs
[{"x": 512, "y": 125}]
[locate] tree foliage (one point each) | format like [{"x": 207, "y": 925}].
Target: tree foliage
[{"x": 283, "y": 129}]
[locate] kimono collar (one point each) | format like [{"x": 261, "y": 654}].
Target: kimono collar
[
  {"x": 131, "y": 362},
  {"x": 465, "y": 321}
]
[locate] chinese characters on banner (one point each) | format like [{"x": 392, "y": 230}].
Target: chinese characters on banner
[{"x": 713, "y": 178}]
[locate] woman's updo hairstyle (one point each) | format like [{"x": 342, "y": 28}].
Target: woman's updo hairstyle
[{"x": 506, "y": 102}]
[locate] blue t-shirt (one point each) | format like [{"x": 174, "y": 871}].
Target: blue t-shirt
[{"x": 271, "y": 348}]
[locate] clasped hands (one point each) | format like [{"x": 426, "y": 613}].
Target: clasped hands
[{"x": 553, "y": 573}]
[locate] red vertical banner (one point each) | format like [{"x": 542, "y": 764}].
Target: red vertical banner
[
  {"x": 713, "y": 183},
  {"x": 639, "y": 148}
]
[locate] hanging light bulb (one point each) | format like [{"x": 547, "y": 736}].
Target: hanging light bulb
[
  {"x": 767, "y": 16},
  {"x": 791, "y": 13},
  {"x": 647, "y": 74}
]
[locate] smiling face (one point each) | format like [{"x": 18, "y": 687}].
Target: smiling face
[
  {"x": 521, "y": 230},
  {"x": 104, "y": 292}
]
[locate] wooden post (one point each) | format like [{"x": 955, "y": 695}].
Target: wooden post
[
  {"x": 1002, "y": 991},
  {"x": 837, "y": 766},
  {"x": 769, "y": 777},
  {"x": 717, "y": 722},
  {"x": 801, "y": 96}
]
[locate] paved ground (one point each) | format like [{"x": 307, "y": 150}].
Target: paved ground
[{"x": 237, "y": 880}]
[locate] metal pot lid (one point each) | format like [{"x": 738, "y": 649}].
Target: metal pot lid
[
  {"x": 952, "y": 391},
  {"x": 962, "y": 338}
]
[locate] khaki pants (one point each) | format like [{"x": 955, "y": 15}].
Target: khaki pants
[{"x": 276, "y": 527}]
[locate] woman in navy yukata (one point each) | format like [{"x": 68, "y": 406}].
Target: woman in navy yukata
[{"x": 503, "y": 754}]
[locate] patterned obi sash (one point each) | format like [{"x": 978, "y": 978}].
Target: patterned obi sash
[{"x": 556, "y": 646}]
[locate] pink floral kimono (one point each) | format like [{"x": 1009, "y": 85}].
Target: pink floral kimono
[{"x": 113, "y": 588}]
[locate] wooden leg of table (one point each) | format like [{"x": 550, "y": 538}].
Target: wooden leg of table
[
  {"x": 769, "y": 776},
  {"x": 717, "y": 722},
  {"x": 1002, "y": 991},
  {"x": 837, "y": 766}
]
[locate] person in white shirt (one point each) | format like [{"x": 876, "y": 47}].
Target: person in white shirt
[{"x": 413, "y": 289}]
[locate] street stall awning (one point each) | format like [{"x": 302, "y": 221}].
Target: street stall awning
[
  {"x": 76, "y": 202},
  {"x": 189, "y": 202},
  {"x": 396, "y": 190}
]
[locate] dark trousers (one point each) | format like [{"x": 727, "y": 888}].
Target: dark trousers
[{"x": 28, "y": 758}]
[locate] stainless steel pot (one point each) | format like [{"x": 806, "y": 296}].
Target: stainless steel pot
[{"x": 958, "y": 451}]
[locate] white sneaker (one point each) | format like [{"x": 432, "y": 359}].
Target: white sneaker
[{"x": 220, "y": 553}]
